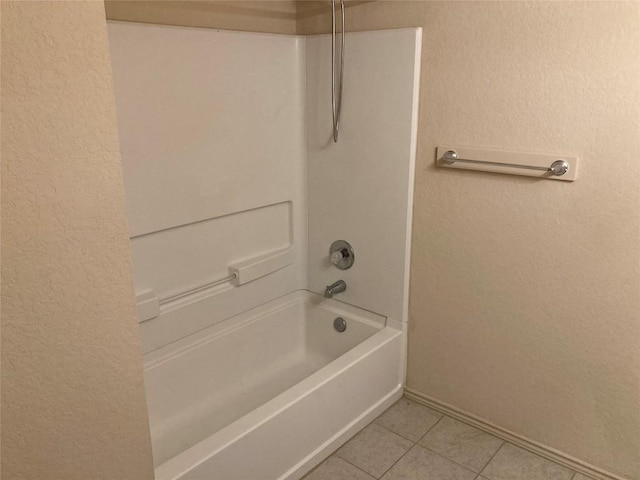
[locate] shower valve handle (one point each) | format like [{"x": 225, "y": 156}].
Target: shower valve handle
[{"x": 341, "y": 254}]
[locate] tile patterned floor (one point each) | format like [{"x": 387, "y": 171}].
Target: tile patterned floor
[{"x": 412, "y": 442}]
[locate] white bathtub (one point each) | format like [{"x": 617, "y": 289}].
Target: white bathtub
[{"x": 269, "y": 393}]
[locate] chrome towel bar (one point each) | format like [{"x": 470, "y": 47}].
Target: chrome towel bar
[{"x": 557, "y": 168}]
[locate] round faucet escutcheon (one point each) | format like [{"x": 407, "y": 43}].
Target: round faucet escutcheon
[{"x": 341, "y": 254}]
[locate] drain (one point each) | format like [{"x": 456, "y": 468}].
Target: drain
[{"x": 340, "y": 324}]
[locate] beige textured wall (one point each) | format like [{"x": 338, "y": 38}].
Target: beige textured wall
[
  {"x": 272, "y": 16},
  {"x": 73, "y": 404},
  {"x": 525, "y": 295}
]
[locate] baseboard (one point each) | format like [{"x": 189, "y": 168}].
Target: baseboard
[{"x": 522, "y": 442}]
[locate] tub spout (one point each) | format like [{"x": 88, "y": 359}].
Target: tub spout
[{"x": 337, "y": 287}]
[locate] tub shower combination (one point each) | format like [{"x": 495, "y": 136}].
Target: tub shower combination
[{"x": 271, "y": 262}]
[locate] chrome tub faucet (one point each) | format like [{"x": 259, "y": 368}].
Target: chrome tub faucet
[{"x": 337, "y": 287}]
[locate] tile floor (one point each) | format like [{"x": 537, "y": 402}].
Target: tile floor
[{"x": 412, "y": 442}]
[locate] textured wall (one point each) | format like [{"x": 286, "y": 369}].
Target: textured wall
[
  {"x": 272, "y": 16},
  {"x": 73, "y": 403},
  {"x": 525, "y": 295}
]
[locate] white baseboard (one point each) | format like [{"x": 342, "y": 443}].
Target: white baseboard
[{"x": 530, "y": 445}]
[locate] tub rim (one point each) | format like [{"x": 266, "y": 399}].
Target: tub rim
[{"x": 184, "y": 345}]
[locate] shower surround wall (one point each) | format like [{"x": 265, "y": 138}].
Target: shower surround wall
[
  {"x": 212, "y": 133},
  {"x": 359, "y": 188},
  {"x": 218, "y": 130}
]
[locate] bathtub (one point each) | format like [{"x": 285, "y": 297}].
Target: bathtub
[{"x": 271, "y": 392}]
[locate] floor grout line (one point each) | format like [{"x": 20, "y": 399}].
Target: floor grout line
[
  {"x": 416, "y": 443},
  {"x": 431, "y": 428},
  {"x": 493, "y": 456},
  {"x": 504, "y": 442},
  {"x": 394, "y": 463},
  {"x": 395, "y": 433},
  {"x": 575, "y": 466},
  {"x": 451, "y": 460},
  {"x": 408, "y": 450},
  {"x": 407, "y": 438},
  {"x": 353, "y": 465}
]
